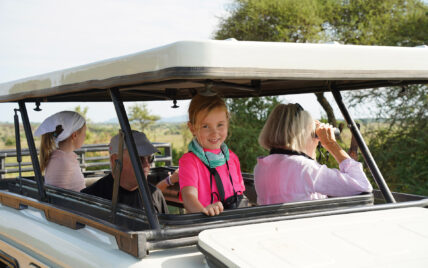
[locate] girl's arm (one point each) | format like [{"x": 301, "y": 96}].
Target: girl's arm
[{"x": 189, "y": 195}]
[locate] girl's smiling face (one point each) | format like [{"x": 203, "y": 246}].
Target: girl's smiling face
[{"x": 211, "y": 131}]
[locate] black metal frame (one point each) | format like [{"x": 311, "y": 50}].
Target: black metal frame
[
  {"x": 8, "y": 260},
  {"x": 33, "y": 152},
  {"x": 181, "y": 230},
  {"x": 143, "y": 186},
  {"x": 144, "y": 191},
  {"x": 368, "y": 158}
]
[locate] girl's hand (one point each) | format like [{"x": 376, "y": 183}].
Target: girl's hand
[
  {"x": 213, "y": 209},
  {"x": 174, "y": 176}
]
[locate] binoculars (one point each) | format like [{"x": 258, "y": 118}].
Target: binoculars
[{"x": 336, "y": 133}]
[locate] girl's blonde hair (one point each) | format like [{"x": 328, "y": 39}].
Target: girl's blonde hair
[
  {"x": 47, "y": 145},
  {"x": 288, "y": 125},
  {"x": 202, "y": 105}
]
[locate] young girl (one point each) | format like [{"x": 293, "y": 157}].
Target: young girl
[
  {"x": 62, "y": 133},
  {"x": 210, "y": 174}
]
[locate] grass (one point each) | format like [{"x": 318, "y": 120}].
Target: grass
[{"x": 96, "y": 134}]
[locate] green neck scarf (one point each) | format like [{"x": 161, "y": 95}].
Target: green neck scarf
[{"x": 208, "y": 158}]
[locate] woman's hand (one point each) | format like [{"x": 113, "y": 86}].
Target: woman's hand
[
  {"x": 213, "y": 209},
  {"x": 325, "y": 133}
]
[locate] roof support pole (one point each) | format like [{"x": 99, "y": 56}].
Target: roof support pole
[
  {"x": 368, "y": 158},
  {"x": 33, "y": 152},
  {"x": 143, "y": 186}
]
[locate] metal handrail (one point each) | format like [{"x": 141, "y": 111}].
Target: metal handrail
[{"x": 85, "y": 162}]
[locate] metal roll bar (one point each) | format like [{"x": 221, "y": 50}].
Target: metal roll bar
[
  {"x": 143, "y": 186},
  {"x": 33, "y": 152},
  {"x": 368, "y": 158}
]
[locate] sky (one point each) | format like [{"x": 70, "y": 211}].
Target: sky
[{"x": 41, "y": 36}]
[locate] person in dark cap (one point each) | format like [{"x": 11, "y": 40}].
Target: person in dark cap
[{"x": 128, "y": 188}]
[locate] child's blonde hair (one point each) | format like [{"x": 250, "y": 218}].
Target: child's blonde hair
[
  {"x": 200, "y": 106},
  {"x": 288, "y": 126}
]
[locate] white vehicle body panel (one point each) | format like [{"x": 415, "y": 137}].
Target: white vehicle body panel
[
  {"x": 385, "y": 238},
  {"x": 51, "y": 244}
]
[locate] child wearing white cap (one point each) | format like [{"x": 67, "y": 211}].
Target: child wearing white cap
[{"x": 62, "y": 133}]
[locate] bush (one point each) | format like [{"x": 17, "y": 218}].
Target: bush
[
  {"x": 9, "y": 141},
  {"x": 248, "y": 117},
  {"x": 402, "y": 158}
]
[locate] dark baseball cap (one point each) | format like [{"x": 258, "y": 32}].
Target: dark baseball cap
[{"x": 144, "y": 146}]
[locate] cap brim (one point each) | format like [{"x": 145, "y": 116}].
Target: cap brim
[{"x": 146, "y": 150}]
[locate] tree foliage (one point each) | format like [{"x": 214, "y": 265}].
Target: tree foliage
[
  {"x": 387, "y": 22},
  {"x": 401, "y": 147},
  {"x": 402, "y": 158},
  {"x": 275, "y": 20},
  {"x": 364, "y": 22},
  {"x": 247, "y": 119},
  {"x": 361, "y": 22},
  {"x": 140, "y": 116},
  {"x": 83, "y": 111},
  {"x": 369, "y": 22}
]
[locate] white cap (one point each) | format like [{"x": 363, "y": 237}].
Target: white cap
[
  {"x": 144, "y": 146},
  {"x": 69, "y": 122}
]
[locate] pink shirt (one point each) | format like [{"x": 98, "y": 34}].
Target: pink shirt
[
  {"x": 63, "y": 171},
  {"x": 282, "y": 178},
  {"x": 193, "y": 172}
]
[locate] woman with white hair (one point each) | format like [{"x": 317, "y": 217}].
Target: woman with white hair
[
  {"x": 62, "y": 133},
  {"x": 290, "y": 172}
]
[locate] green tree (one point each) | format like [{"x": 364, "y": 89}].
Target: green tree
[
  {"x": 387, "y": 22},
  {"x": 363, "y": 22},
  {"x": 283, "y": 21},
  {"x": 402, "y": 158},
  {"x": 140, "y": 116},
  {"x": 186, "y": 135},
  {"x": 247, "y": 119},
  {"x": 83, "y": 111},
  {"x": 400, "y": 149}
]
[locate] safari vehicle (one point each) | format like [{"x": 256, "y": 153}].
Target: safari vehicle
[{"x": 43, "y": 226}]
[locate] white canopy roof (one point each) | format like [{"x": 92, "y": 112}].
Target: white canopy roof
[{"x": 234, "y": 68}]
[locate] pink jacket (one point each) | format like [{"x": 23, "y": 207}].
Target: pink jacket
[
  {"x": 63, "y": 171},
  {"x": 282, "y": 178}
]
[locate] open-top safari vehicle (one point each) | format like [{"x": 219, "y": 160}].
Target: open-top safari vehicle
[{"x": 42, "y": 225}]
